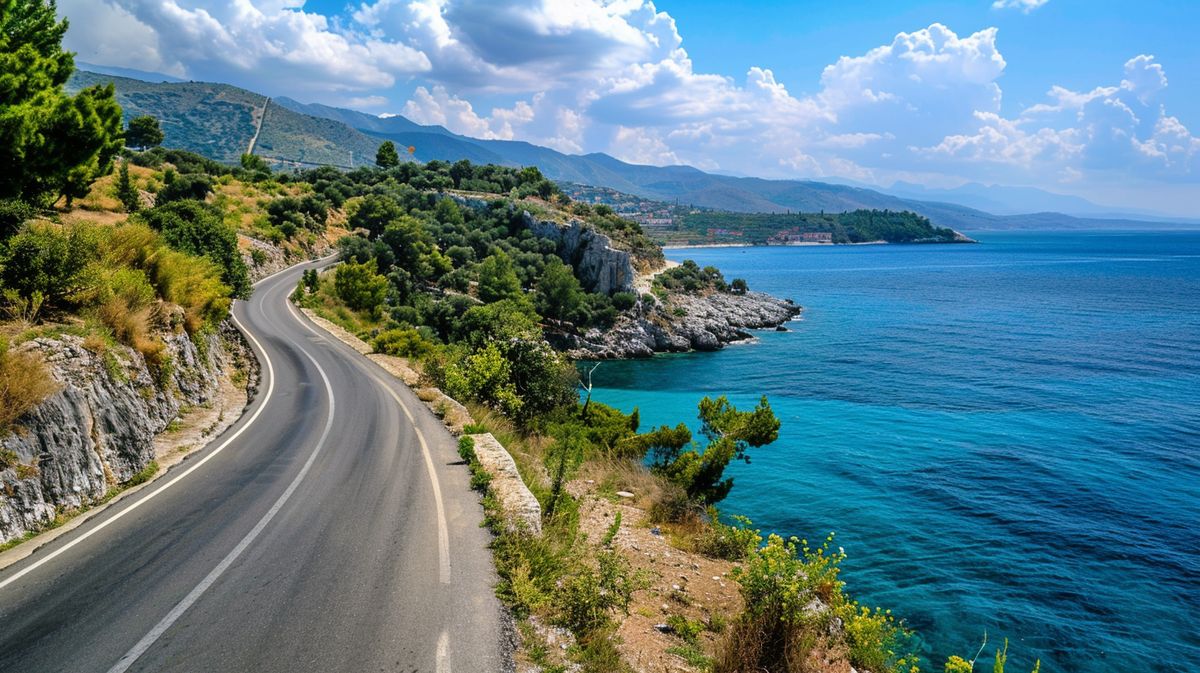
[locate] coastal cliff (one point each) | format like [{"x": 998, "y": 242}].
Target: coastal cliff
[
  {"x": 675, "y": 321},
  {"x": 97, "y": 432},
  {"x": 600, "y": 267},
  {"x": 683, "y": 322}
]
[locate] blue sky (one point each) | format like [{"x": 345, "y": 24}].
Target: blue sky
[{"x": 1088, "y": 97}]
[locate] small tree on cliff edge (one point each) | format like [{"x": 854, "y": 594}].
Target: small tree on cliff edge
[
  {"x": 387, "y": 156},
  {"x": 730, "y": 434}
]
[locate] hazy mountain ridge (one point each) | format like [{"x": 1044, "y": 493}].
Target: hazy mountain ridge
[{"x": 217, "y": 120}]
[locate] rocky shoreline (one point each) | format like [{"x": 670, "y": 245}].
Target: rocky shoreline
[{"x": 681, "y": 323}]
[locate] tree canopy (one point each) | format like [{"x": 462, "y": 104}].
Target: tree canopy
[
  {"x": 387, "y": 156},
  {"x": 143, "y": 132},
  {"x": 51, "y": 144}
]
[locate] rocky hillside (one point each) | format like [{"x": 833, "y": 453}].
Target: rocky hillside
[{"x": 97, "y": 432}]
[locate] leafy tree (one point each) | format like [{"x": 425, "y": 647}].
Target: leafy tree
[
  {"x": 360, "y": 286},
  {"x": 290, "y": 213},
  {"x": 127, "y": 193},
  {"x": 51, "y": 144},
  {"x": 373, "y": 213},
  {"x": 255, "y": 168},
  {"x": 498, "y": 278},
  {"x": 502, "y": 321},
  {"x": 387, "y": 156},
  {"x": 143, "y": 132},
  {"x": 413, "y": 249},
  {"x": 198, "y": 229},
  {"x": 739, "y": 286},
  {"x": 484, "y": 376},
  {"x": 559, "y": 295}
]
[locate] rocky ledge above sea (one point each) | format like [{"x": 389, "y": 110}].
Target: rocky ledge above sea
[{"x": 682, "y": 322}]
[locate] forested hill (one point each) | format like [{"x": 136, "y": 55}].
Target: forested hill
[
  {"x": 857, "y": 226},
  {"x": 218, "y": 121}
]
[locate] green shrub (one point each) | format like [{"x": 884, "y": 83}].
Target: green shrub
[
  {"x": 184, "y": 187},
  {"x": 588, "y": 598},
  {"x": 13, "y": 213},
  {"x": 402, "y": 342},
  {"x": 484, "y": 376},
  {"x": 777, "y": 629},
  {"x": 687, "y": 629},
  {"x": 729, "y": 542},
  {"x": 623, "y": 301},
  {"x": 49, "y": 260},
  {"x": 562, "y": 459}
]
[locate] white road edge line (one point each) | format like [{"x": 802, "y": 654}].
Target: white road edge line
[
  {"x": 443, "y": 529},
  {"x": 212, "y": 454},
  {"x": 150, "y": 638},
  {"x": 266, "y": 398}
]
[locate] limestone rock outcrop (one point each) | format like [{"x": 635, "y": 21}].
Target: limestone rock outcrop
[{"x": 98, "y": 430}]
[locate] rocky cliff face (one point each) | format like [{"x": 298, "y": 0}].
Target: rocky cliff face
[
  {"x": 599, "y": 266},
  {"x": 683, "y": 323},
  {"x": 98, "y": 431}
]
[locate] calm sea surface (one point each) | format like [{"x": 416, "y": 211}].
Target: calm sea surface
[{"x": 1005, "y": 436}]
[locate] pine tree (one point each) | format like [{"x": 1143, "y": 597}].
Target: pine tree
[
  {"x": 143, "y": 133},
  {"x": 51, "y": 144},
  {"x": 387, "y": 156},
  {"x": 127, "y": 193}
]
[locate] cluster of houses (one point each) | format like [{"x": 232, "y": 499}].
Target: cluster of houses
[{"x": 794, "y": 237}]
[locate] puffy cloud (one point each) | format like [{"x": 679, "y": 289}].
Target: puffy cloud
[
  {"x": 1025, "y": 6},
  {"x": 1109, "y": 129},
  {"x": 518, "y": 45},
  {"x": 271, "y": 44},
  {"x": 614, "y": 76}
]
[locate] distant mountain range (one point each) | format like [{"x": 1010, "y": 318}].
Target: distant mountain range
[{"x": 218, "y": 121}]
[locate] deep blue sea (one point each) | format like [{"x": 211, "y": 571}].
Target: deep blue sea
[{"x": 1005, "y": 436}]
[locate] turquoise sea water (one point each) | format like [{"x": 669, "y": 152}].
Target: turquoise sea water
[{"x": 1005, "y": 436}]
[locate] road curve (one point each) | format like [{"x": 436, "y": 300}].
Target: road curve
[{"x": 330, "y": 529}]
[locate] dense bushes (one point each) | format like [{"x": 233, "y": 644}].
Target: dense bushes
[
  {"x": 199, "y": 229},
  {"x": 290, "y": 213},
  {"x": 182, "y": 187},
  {"x": 689, "y": 277},
  {"x": 118, "y": 276},
  {"x": 45, "y": 263}
]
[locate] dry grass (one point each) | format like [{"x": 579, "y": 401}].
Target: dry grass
[
  {"x": 528, "y": 451},
  {"x": 24, "y": 383},
  {"x": 621, "y": 474}
]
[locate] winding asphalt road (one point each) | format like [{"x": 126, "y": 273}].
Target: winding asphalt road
[{"x": 330, "y": 529}]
